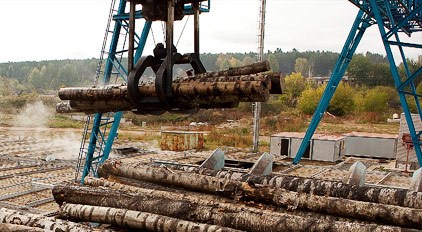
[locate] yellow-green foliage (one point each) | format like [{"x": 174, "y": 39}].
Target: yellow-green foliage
[
  {"x": 342, "y": 102},
  {"x": 295, "y": 85},
  {"x": 372, "y": 100},
  {"x": 309, "y": 99}
]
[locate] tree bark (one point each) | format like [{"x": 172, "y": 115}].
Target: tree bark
[
  {"x": 135, "y": 219},
  {"x": 182, "y": 206},
  {"x": 335, "y": 206},
  {"x": 254, "y": 68},
  {"x": 140, "y": 187},
  {"x": 39, "y": 221},
  {"x": 166, "y": 177},
  {"x": 337, "y": 189},
  {"x": 187, "y": 95},
  {"x": 189, "y": 87}
]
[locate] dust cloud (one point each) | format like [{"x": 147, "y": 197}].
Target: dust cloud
[
  {"x": 32, "y": 122},
  {"x": 34, "y": 115}
]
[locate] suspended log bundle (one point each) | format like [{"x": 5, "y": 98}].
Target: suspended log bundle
[{"x": 224, "y": 89}]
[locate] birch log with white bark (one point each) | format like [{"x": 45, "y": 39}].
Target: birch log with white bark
[
  {"x": 135, "y": 219},
  {"x": 382, "y": 213},
  {"x": 41, "y": 222},
  {"x": 185, "y": 207}
]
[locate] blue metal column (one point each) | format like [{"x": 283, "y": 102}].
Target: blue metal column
[
  {"x": 118, "y": 116},
  {"x": 107, "y": 73},
  {"x": 362, "y": 22},
  {"x": 397, "y": 80}
]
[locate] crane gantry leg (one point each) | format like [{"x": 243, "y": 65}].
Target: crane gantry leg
[
  {"x": 362, "y": 22},
  {"x": 101, "y": 140},
  {"x": 101, "y": 137},
  {"x": 392, "y": 18},
  {"x": 405, "y": 87}
]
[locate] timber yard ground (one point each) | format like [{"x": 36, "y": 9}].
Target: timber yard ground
[{"x": 34, "y": 156}]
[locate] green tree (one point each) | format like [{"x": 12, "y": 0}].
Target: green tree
[
  {"x": 413, "y": 65},
  {"x": 295, "y": 84},
  {"x": 302, "y": 66},
  {"x": 272, "y": 59},
  {"x": 248, "y": 60},
  {"x": 309, "y": 99},
  {"x": 342, "y": 102},
  {"x": 222, "y": 62},
  {"x": 360, "y": 69},
  {"x": 381, "y": 75},
  {"x": 372, "y": 100},
  {"x": 35, "y": 78},
  {"x": 233, "y": 62},
  {"x": 68, "y": 75}
]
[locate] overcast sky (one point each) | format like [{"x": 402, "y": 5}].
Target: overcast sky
[{"x": 60, "y": 29}]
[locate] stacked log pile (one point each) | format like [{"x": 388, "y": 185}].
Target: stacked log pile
[
  {"x": 156, "y": 198},
  {"x": 208, "y": 90}
]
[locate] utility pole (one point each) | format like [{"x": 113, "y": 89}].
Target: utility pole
[{"x": 257, "y": 105}]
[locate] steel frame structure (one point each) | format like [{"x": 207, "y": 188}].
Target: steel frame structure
[
  {"x": 101, "y": 137},
  {"x": 393, "y": 17}
]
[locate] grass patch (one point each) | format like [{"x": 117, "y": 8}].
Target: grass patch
[
  {"x": 64, "y": 122},
  {"x": 232, "y": 137},
  {"x": 139, "y": 137}
]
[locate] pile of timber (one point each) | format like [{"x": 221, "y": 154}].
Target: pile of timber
[
  {"x": 158, "y": 198},
  {"x": 208, "y": 90}
]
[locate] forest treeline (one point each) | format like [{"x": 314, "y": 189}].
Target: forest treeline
[{"x": 365, "y": 69}]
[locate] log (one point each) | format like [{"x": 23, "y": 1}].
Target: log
[
  {"x": 187, "y": 95},
  {"x": 394, "y": 215},
  {"x": 227, "y": 85},
  {"x": 64, "y": 107},
  {"x": 39, "y": 221},
  {"x": 7, "y": 227},
  {"x": 135, "y": 219},
  {"x": 140, "y": 187},
  {"x": 337, "y": 189},
  {"x": 254, "y": 68},
  {"x": 181, "y": 206},
  {"x": 165, "y": 177}
]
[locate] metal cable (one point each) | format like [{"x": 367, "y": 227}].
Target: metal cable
[{"x": 186, "y": 23}]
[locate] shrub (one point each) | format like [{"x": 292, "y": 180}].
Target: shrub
[
  {"x": 309, "y": 99},
  {"x": 295, "y": 85},
  {"x": 373, "y": 105},
  {"x": 342, "y": 102}
]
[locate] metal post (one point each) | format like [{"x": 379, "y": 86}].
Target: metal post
[
  {"x": 358, "y": 29},
  {"x": 169, "y": 46},
  {"x": 131, "y": 36},
  {"x": 196, "y": 27},
  {"x": 257, "y": 105}
]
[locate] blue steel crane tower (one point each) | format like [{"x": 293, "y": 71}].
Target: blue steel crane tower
[
  {"x": 100, "y": 129},
  {"x": 393, "y": 19}
]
